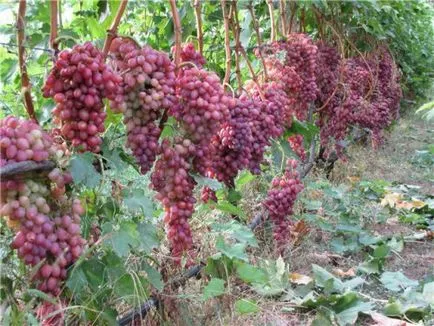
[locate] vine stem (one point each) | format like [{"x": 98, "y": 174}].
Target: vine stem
[
  {"x": 236, "y": 33},
  {"x": 293, "y": 8},
  {"x": 177, "y": 54},
  {"x": 227, "y": 42},
  {"x": 54, "y": 43},
  {"x": 282, "y": 9},
  {"x": 246, "y": 58},
  {"x": 198, "y": 12},
  {"x": 25, "y": 81},
  {"x": 178, "y": 33},
  {"x": 273, "y": 22},
  {"x": 258, "y": 37},
  {"x": 111, "y": 33}
]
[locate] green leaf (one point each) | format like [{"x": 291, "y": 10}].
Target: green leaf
[
  {"x": 131, "y": 288},
  {"x": 236, "y": 231},
  {"x": 82, "y": 170},
  {"x": 214, "y": 288},
  {"x": 137, "y": 202},
  {"x": 393, "y": 309},
  {"x": 121, "y": 240},
  {"x": 154, "y": 276},
  {"x": 232, "y": 251},
  {"x": 250, "y": 274},
  {"x": 77, "y": 279},
  {"x": 428, "y": 293},
  {"x": 227, "y": 207},
  {"x": 207, "y": 182},
  {"x": 148, "y": 237},
  {"x": 371, "y": 266},
  {"x": 396, "y": 281},
  {"x": 326, "y": 280},
  {"x": 349, "y": 316},
  {"x": 381, "y": 251},
  {"x": 243, "y": 178},
  {"x": 41, "y": 295},
  {"x": 244, "y": 306}
]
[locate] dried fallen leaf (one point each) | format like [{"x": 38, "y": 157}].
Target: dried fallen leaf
[
  {"x": 353, "y": 179},
  {"x": 391, "y": 199},
  {"x": 382, "y": 320},
  {"x": 349, "y": 273},
  {"x": 299, "y": 278}
]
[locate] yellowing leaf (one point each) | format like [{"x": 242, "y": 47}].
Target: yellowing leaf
[
  {"x": 299, "y": 278},
  {"x": 349, "y": 273},
  {"x": 381, "y": 320},
  {"x": 391, "y": 199},
  {"x": 353, "y": 179}
]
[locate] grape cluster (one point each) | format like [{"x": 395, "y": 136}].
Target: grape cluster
[
  {"x": 296, "y": 144},
  {"x": 358, "y": 91},
  {"x": 292, "y": 63},
  {"x": 202, "y": 108},
  {"x": 266, "y": 118},
  {"x": 148, "y": 81},
  {"x": 47, "y": 221},
  {"x": 51, "y": 314},
  {"x": 208, "y": 194},
  {"x": 189, "y": 54},
  {"x": 280, "y": 202},
  {"x": 171, "y": 179},
  {"x": 78, "y": 83},
  {"x": 232, "y": 146}
]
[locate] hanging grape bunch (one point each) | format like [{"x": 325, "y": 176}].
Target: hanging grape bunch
[
  {"x": 148, "y": 89},
  {"x": 171, "y": 179},
  {"x": 296, "y": 144},
  {"x": 78, "y": 83},
  {"x": 41, "y": 211},
  {"x": 202, "y": 108},
  {"x": 280, "y": 202}
]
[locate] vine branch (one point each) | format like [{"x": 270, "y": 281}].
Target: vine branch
[
  {"x": 54, "y": 43},
  {"x": 282, "y": 9},
  {"x": 273, "y": 23},
  {"x": 236, "y": 33},
  {"x": 14, "y": 169},
  {"x": 112, "y": 32},
  {"x": 197, "y": 12},
  {"x": 25, "y": 81},
  {"x": 178, "y": 33},
  {"x": 258, "y": 37},
  {"x": 227, "y": 41}
]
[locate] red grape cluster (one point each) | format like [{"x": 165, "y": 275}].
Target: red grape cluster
[
  {"x": 189, "y": 54},
  {"x": 296, "y": 144},
  {"x": 46, "y": 219},
  {"x": 293, "y": 64},
  {"x": 202, "y": 108},
  {"x": 365, "y": 93},
  {"x": 280, "y": 202},
  {"x": 148, "y": 81},
  {"x": 208, "y": 194},
  {"x": 232, "y": 146},
  {"x": 171, "y": 179},
  {"x": 78, "y": 83},
  {"x": 51, "y": 314}
]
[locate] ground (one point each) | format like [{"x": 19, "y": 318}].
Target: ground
[{"x": 395, "y": 164}]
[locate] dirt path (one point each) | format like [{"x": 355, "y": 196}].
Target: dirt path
[{"x": 393, "y": 160}]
